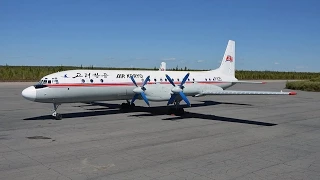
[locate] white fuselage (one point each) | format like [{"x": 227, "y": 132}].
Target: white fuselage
[{"x": 103, "y": 85}]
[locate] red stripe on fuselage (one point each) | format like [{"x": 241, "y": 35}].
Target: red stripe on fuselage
[{"x": 121, "y": 84}]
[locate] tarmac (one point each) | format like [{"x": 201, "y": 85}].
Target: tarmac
[{"x": 220, "y": 137}]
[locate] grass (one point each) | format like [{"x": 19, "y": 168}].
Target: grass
[
  {"x": 34, "y": 73},
  {"x": 307, "y": 85}
]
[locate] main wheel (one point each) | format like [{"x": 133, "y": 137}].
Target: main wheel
[
  {"x": 124, "y": 107},
  {"x": 179, "y": 111},
  {"x": 132, "y": 106}
]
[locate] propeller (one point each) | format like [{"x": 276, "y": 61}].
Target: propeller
[
  {"x": 140, "y": 90},
  {"x": 178, "y": 90}
]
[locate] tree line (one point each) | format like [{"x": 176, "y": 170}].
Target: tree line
[{"x": 34, "y": 73}]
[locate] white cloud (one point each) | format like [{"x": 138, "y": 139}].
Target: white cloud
[
  {"x": 168, "y": 59},
  {"x": 276, "y": 63},
  {"x": 200, "y": 61}
]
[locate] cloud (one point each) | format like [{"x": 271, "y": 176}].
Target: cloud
[
  {"x": 169, "y": 59},
  {"x": 200, "y": 61},
  {"x": 276, "y": 63}
]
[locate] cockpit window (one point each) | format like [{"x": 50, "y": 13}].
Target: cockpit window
[{"x": 44, "y": 81}]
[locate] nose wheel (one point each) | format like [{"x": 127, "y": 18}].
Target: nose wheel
[{"x": 56, "y": 115}]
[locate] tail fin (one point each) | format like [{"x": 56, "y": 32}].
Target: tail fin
[
  {"x": 227, "y": 66},
  {"x": 162, "y": 66}
]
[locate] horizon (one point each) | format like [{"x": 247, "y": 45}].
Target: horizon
[
  {"x": 270, "y": 35},
  {"x": 146, "y": 68}
]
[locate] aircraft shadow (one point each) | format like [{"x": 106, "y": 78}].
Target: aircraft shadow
[
  {"x": 76, "y": 115},
  {"x": 110, "y": 108},
  {"x": 105, "y": 106},
  {"x": 188, "y": 115}
]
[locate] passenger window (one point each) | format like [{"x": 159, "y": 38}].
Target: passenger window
[
  {"x": 83, "y": 80},
  {"x": 155, "y": 80},
  {"x": 178, "y": 79},
  {"x": 206, "y": 79},
  {"x": 188, "y": 79},
  {"x": 165, "y": 79},
  {"x": 209, "y": 79},
  {"x": 101, "y": 80},
  {"x": 193, "y": 79},
  {"x": 161, "y": 79},
  {"x": 91, "y": 80}
]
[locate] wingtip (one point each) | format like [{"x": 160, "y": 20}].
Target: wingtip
[{"x": 292, "y": 93}]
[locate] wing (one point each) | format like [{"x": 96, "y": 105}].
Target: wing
[{"x": 231, "y": 92}]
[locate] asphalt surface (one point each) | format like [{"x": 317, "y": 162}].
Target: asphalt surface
[{"x": 220, "y": 137}]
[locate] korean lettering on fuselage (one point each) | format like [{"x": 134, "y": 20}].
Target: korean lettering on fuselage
[{"x": 89, "y": 75}]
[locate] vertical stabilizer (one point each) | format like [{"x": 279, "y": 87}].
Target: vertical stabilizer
[
  {"x": 162, "y": 66},
  {"x": 227, "y": 66}
]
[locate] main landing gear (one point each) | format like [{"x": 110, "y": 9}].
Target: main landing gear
[
  {"x": 126, "y": 106},
  {"x": 177, "y": 110},
  {"x": 56, "y": 115}
]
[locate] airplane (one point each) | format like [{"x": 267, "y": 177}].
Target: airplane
[{"x": 85, "y": 86}]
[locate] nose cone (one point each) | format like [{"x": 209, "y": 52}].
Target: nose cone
[{"x": 29, "y": 93}]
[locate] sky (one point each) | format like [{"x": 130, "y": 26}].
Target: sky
[{"x": 277, "y": 35}]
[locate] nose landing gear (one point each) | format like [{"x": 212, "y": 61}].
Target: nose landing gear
[{"x": 56, "y": 115}]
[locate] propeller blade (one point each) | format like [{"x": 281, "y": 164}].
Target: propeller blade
[
  {"x": 170, "y": 80},
  {"x": 134, "y": 82},
  {"x": 184, "y": 97},
  {"x": 146, "y": 81},
  {"x": 173, "y": 96},
  {"x": 134, "y": 98},
  {"x": 184, "y": 79},
  {"x": 144, "y": 98}
]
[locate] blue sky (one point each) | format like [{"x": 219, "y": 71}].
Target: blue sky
[{"x": 280, "y": 35}]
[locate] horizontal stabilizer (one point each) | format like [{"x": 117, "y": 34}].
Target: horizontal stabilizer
[
  {"x": 229, "y": 92},
  {"x": 249, "y": 82}
]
